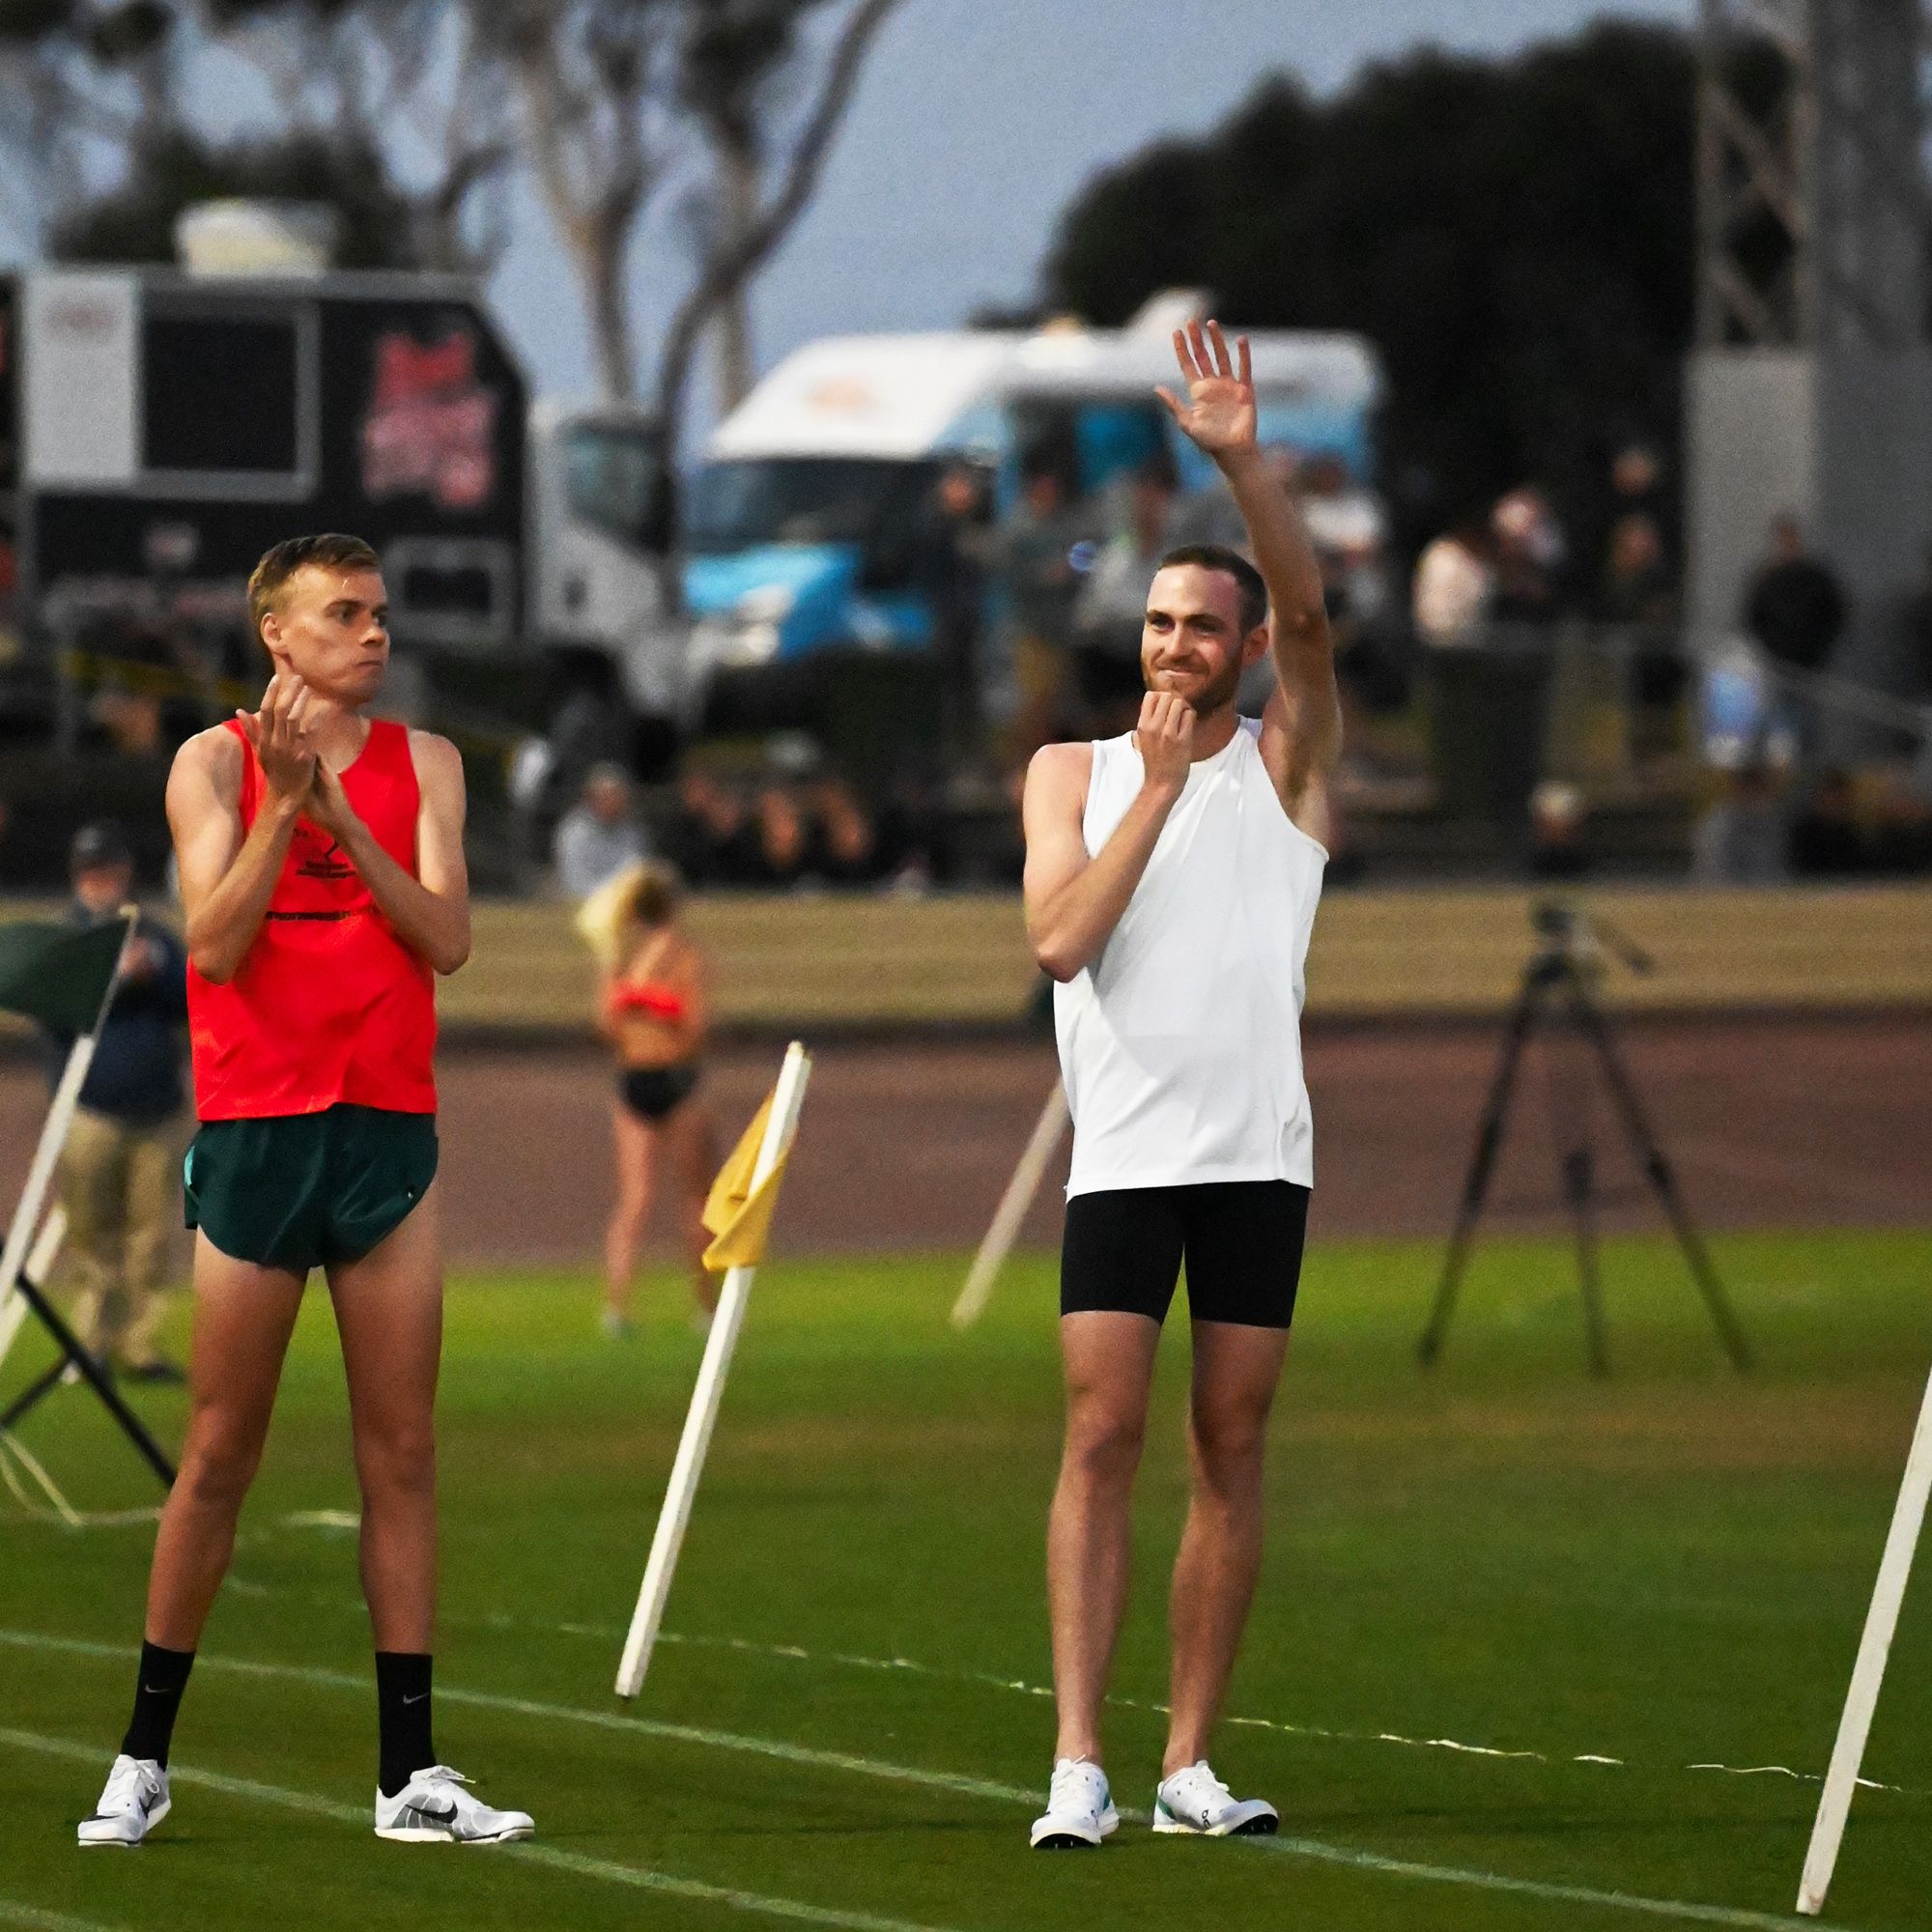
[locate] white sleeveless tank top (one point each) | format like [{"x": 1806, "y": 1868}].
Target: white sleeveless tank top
[{"x": 1180, "y": 1045}]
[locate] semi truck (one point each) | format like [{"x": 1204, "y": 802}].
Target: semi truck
[{"x": 159, "y": 429}]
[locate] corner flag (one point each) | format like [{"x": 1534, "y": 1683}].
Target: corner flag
[
  {"x": 738, "y": 1210},
  {"x": 739, "y": 1216}
]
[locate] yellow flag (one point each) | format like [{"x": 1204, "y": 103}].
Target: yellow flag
[{"x": 738, "y": 1216}]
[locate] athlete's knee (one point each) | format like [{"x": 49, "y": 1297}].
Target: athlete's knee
[
  {"x": 396, "y": 1456},
  {"x": 219, "y": 1460},
  {"x": 1103, "y": 1444},
  {"x": 1229, "y": 1444}
]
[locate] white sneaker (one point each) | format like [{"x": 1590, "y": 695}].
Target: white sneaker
[
  {"x": 135, "y": 1800},
  {"x": 433, "y": 1809},
  {"x": 1196, "y": 1802},
  {"x": 1079, "y": 1809}
]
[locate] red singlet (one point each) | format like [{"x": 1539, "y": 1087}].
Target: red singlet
[{"x": 329, "y": 1004}]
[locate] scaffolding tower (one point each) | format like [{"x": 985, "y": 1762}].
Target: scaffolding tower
[{"x": 1811, "y": 387}]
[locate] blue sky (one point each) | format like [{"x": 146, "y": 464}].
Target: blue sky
[{"x": 975, "y": 124}]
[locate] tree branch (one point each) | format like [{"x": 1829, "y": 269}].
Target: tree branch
[{"x": 733, "y": 263}]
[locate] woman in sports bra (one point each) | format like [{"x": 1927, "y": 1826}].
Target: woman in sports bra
[{"x": 652, "y": 1010}]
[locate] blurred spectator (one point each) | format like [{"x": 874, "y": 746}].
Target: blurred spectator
[
  {"x": 1344, "y": 523},
  {"x": 598, "y": 837},
  {"x": 1638, "y": 584},
  {"x": 1795, "y": 608},
  {"x": 121, "y": 1167},
  {"x": 847, "y": 846},
  {"x": 1558, "y": 848},
  {"x": 1453, "y": 586},
  {"x": 713, "y": 838},
  {"x": 783, "y": 850},
  {"x": 1530, "y": 556},
  {"x": 951, "y": 568},
  {"x": 1110, "y": 611},
  {"x": 1639, "y": 488},
  {"x": 1740, "y": 841},
  {"x": 1826, "y": 839},
  {"x": 1638, "y": 593},
  {"x": 1040, "y": 582},
  {"x": 1348, "y": 532}
]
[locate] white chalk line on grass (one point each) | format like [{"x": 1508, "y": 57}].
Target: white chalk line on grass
[
  {"x": 580, "y": 1864},
  {"x": 31, "y": 1918},
  {"x": 1313, "y": 1850},
  {"x": 793, "y": 1653}
]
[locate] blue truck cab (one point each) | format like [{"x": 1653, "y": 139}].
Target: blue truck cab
[{"x": 805, "y": 525}]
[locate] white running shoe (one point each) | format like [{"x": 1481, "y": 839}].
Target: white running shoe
[
  {"x": 135, "y": 1800},
  {"x": 1079, "y": 1809},
  {"x": 1196, "y": 1802},
  {"x": 433, "y": 1809}
]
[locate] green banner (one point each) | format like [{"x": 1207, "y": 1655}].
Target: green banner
[{"x": 58, "y": 973}]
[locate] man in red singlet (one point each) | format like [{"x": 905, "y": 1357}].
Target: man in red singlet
[{"x": 321, "y": 874}]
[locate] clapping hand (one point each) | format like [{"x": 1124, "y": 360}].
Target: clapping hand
[
  {"x": 279, "y": 734},
  {"x": 1219, "y": 413},
  {"x": 327, "y": 802}
]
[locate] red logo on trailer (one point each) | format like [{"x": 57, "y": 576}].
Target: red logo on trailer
[{"x": 431, "y": 425}]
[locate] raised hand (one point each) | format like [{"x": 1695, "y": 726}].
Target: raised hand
[
  {"x": 1165, "y": 738},
  {"x": 279, "y": 734},
  {"x": 1219, "y": 414}
]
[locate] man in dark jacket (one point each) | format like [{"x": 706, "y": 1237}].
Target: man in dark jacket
[
  {"x": 1795, "y": 609},
  {"x": 121, "y": 1164}
]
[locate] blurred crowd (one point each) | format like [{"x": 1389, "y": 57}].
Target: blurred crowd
[{"x": 785, "y": 823}]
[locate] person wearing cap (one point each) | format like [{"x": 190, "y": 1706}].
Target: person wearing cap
[{"x": 121, "y": 1166}]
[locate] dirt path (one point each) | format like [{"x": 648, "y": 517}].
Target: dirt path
[{"x": 908, "y": 1144}]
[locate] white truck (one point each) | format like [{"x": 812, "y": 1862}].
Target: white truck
[{"x": 820, "y": 488}]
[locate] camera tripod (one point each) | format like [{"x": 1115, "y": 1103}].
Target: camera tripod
[{"x": 1558, "y": 990}]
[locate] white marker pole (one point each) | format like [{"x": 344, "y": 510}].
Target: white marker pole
[
  {"x": 706, "y": 1397},
  {"x": 1012, "y": 1211},
  {"x": 34, "y": 1195},
  {"x": 1841, "y": 1780}
]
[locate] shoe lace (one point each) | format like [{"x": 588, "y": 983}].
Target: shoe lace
[
  {"x": 443, "y": 1773},
  {"x": 1199, "y": 1783},
  {"x": 1077, "y": 1780},
  {"x": 123, "y": 1785}
]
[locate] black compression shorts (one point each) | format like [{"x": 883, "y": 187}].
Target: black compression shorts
[{"x": 1242, "y": 1241}]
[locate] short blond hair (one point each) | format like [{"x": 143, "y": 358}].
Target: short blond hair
[{"x": 270, "y": 576}]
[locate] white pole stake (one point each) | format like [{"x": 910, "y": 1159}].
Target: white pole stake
[
  {"x": 705, "y": 1398},
  {"x": 34, "y": 1195},
  {"x": 1907, "y": 1516},
  {"x": 1012, "y": 1211}
]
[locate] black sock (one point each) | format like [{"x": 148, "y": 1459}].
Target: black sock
[
  {"x": 402, "y": 1714},
  {"x": 158, "y": 1697}
]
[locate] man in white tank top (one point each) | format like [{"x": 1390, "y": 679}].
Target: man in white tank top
[{"x": 1171, "y": 882}]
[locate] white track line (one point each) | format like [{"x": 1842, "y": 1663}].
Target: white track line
[
  {"x": 791, "y": 1653},
  {"x": 1312, "y": 1849},
  {"x": 578, "y": 1864},
  {"x": 31, "y": 1918}
]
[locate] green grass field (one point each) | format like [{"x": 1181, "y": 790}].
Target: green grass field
[{"x": 1609, "y": 1588}]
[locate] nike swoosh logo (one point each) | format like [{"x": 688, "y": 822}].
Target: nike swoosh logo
[
  {"x": 418, "y": 1698},
  {"x": 436, "y": 1817}
]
